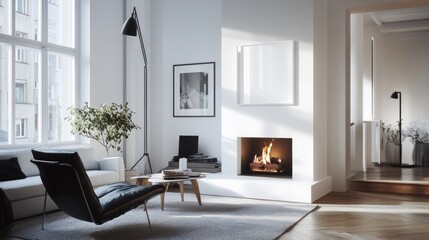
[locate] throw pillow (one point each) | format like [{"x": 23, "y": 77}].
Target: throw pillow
[{"x": 10, "y": 169}]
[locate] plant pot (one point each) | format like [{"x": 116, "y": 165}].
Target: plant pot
[
  {"x": 421, "y": 154},
  {"x": 392, "y": 153}
]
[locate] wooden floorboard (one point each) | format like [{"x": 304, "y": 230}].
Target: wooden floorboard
[
  {"x": 361, "y": 215},
  {"x": 375, "y": 208}
]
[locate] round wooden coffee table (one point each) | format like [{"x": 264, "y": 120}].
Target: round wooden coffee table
[{"x": 158, "y": 179}]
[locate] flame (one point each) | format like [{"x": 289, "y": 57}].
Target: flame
[
  {"x": 263, "y": 163},
  {"x": 266, "y": 158},
  {"x": 266, "y": 155}
]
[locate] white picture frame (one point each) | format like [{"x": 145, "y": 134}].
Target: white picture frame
[{"x": 267, "y": 75}]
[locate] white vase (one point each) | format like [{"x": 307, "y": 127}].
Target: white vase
[{"x": 421, "y": 154}]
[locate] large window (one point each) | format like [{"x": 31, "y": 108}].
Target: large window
[{"x": 37, "y": 70}]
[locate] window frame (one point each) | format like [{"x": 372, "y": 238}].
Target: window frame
[
  {"x": 22, "y": 9},
  {"x": 45, "y": 47},
  {"x": 22, "y": 124},
  {"x": 24, "y": 91}
]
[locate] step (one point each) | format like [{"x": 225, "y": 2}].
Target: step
[{"x": 389, "y": 186}]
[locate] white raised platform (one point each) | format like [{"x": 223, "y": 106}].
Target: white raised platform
[{"x": 279, "y": 189}]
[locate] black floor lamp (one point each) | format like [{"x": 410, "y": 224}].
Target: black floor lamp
[
  {"x": 396, "y": 95},
  {"x": 131, "y": 27}
]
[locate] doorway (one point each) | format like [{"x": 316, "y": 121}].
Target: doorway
[{"x": 387, "y": 54}]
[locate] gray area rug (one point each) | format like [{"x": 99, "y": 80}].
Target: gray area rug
[{"x": 217, "y": 218}]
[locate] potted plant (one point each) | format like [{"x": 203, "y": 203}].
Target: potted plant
[
  {"x": 107, "y": 124},
  {"x": 393, "y": 140},
  {"x": 418, "y": 133}
]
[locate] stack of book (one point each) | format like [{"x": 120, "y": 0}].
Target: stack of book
[
  {"x": 178, "y": 174},
  {"x": 198, "y": 163}
]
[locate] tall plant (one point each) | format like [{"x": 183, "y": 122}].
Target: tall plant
[
  {"x": 107, "y": 124},
  {"x": 418, "y": 131}
]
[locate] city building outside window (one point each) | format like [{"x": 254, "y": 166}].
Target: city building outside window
[{"x": 37, "y": 57}]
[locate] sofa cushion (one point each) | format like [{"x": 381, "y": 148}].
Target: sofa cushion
[
  {"x": 24, "y": 157},
  {"x": 23, "y": 188},
  {"x": 10, "y": 169},
  {"x": 89, "y": 158},
  {"x": 99, "y": 178},
  {"x": 33, "y": 186},
  {"x": 86, "y": 154}
]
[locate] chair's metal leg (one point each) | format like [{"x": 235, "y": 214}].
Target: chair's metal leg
[
  {"x": 44, "y": 210},
  {"x": 147, "y": 215}
]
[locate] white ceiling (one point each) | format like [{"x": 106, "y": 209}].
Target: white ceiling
[{"x": 402, "y": 20}]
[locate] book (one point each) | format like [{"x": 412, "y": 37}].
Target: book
[
  {"x": 197, "y": 159},
  {"x": 176, "y": 177},
  {"x": 198, "y": 155},
  {"x": 201, "y": 170},
  {"x": 196, "y": 164},
  {"x": 174, "y": 172},
  {"x": 207, "y": 170},
  {"x": 179, "y": 174},
  {"x": 202, "y": 160}
]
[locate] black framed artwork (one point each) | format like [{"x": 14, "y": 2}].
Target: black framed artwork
[{"x": 194, "y": 90}]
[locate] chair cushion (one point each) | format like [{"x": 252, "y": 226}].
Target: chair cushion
[
  {"x": 118, "y": 198},
  {"x": 10, "y": 170}
]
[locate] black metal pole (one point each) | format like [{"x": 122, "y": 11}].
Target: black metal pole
[
  {"x": 145, "y": 150},
  {"x": 400, "y": 128}
]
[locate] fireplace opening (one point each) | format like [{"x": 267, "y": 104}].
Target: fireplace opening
[{"x": 266, "y": 157}]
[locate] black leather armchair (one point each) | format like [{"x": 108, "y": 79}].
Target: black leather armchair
[{"x": 67, "y": 183}]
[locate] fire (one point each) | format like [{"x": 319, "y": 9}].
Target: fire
[
  {"x": 263, "y": 163},
  {"x": 266, "y": 156}
]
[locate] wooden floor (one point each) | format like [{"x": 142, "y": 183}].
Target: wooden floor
[
  {"x": 360, "y": 215},
  {"x": 372, "y": 212},
  {"x": 394, "y": 174},
  {"x": 389, "y": 179}
]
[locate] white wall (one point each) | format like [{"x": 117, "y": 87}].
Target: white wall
[
  {"x": 186, "y": 31},
  {"x": 356, "y": 92},
  {"x": 264, "y": 22},
  {"x": 320, "y": 109},
  {"x": 102, "y": 59}
]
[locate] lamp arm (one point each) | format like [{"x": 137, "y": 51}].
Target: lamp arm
[{"x": 140, "y": 36}]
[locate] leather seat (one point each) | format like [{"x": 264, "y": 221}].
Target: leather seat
[{"x": 67, "y": 183}]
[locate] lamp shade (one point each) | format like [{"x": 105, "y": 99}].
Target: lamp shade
[
  {"x": 130, "y": 27},
  {"x": 395, "y": 95}
]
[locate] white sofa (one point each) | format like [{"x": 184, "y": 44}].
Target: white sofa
[{"x": 27, "y": 195}]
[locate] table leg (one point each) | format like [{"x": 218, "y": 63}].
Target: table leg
[
  {"x": 182, "y": 191},
  {"x": 196, "y": 190},
  {"x": 143, "y": 181},
  {"x": 163, "y": 195}
]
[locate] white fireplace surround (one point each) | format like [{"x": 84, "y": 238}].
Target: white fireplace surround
[
  {"x": 267, "y": 188},
  {"x": 304, "y": 121},
  {"x": 230, "y": 183}
]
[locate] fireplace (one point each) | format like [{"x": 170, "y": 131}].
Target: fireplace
[{"x": 266, "y": 157}]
